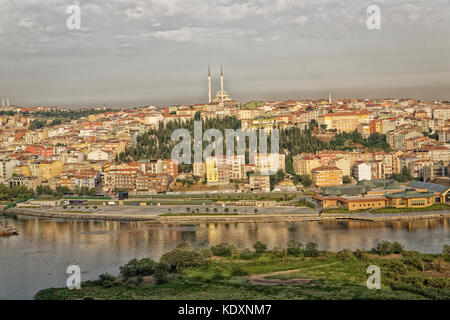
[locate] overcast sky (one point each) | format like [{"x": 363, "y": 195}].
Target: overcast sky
[{"x": 156, "y": 52}]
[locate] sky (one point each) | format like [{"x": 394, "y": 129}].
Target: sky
[{"x": 156, "y": 52}]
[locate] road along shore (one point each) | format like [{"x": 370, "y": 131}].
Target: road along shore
[{"x": 249, "y": 218}]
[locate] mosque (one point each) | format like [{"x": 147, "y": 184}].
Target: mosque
[{"x": 221, "y": 98}]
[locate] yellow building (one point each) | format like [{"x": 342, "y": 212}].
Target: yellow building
[
  {"x": 22, "y": 170},
  {"x": 303, "y": 164},
  {"x": 212, "y": 170},
  {"x": 326, "y": 176},
  {"x": 49, "y": 169},
  {"x": 404, "y": 199},
  {"x": 344, "y": 121},
  {"x": 352, "y": 203},
  {"x": 411, "y": 199}
]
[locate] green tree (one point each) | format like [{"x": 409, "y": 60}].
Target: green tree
[
  {"x": 161, "y": 273},
  {"x": 260, "y": 247},
  {"x": 44, "y": 189},
  {"x": 180, "y": 257},
  {"x": 311, "y": 250},
  {"x": 134, "y": 268},
  {"x": 346, "y": 179},
  {"x": 294, "y": 248},
  {"x": 306, "y": 180},
  {"x": 222, "y": 250}
]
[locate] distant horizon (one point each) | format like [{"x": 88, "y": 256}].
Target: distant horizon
[{"x": 242, "y": 102}]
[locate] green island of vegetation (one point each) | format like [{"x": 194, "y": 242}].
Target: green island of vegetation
[{"x": 297, "y": 272}]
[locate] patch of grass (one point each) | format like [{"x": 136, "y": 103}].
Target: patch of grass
[
  {"x": 435, "y": 207},
  {"x": 332, "y": 277}
]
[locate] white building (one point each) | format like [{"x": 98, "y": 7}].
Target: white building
[
  {"x": 99, "y": 155},
  {"x": 269, "y": 163},
  {"x": 6, "y": 168},
  {"x": 362, "y": 171}
]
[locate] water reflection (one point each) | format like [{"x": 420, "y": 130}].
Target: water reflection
[{"x": 39, "y": 256}]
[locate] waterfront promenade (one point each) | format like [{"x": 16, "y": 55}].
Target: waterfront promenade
[{"x": 158, "y": 214}]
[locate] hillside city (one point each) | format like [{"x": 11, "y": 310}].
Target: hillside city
[{"x": 347, "y": 153}]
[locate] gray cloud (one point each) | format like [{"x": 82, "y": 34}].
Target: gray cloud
[{"x": 156, "y": 51}]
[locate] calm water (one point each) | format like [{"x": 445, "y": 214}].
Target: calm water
[{"x": 39, "y": 256}]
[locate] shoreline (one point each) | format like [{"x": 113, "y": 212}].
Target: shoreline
[{"x": 260, "y": 218}]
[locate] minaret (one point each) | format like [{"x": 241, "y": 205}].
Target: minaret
[
  {"x": 7, "y": 102},
  {"x": 329, "y": 98},
  {"x": 221, "y": 83},
  {"x": 3, "y": 102},
  {"x": 209, "y": 85}
]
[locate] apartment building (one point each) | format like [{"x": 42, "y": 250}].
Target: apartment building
[
  {"x": 170, "y": 167},
  {"x": 303, "y": 164},
  {"x": 362, "y": 171},
  {"x": 326, "y": 176},
  {"x": 149, "y": 182},
  {"x": 269, "y": 163},
  {"x": 259, "y": 182},
  {"x": 79, "y": 178},
  {"x": 50, "y": 169},
  {"x": 345, "y": 121},
  {"x": 219, "y": 170},
  {"x": 121, "y": 179},
  {"x": 7, "y": 168}
]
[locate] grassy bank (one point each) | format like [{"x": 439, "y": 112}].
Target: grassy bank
[
  {"x": 297, "y": 272},
  {"x": 435, "y": 207}
]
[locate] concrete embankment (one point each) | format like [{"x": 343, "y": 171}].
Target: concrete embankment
[{"x": 265, "y": 218}]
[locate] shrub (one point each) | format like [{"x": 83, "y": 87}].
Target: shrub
[
  {"x": 294, "y": 248},
  {"x": 277, "y": 253},
  {"x": 238, "y": 271},
  {"x": 161, "y": 274},
  {"x": 415, "y": 262},
  {"x": 383, "y": 248},
  {"x": 105, "y": 280},
  {"x": 184, "y": 246},
  {"x": 64, "y": 207},
  {"x": 446, "y": 252},
  {"x": 134, "y": 268},
  {"x": 396, "y": 247},
  {"x": 393, "y": 269},
  {"x": 206, "y": 253},
  {"x": 438, "y": 265},
  {"x": 86, "y": 207},
  {"x": 182, "y": 258},
  {"x": 246, "y": 254},
  {"x": 222, "y": 250},
  {"x": 260, "y": 247},
  {"x": 311, "y": 250},
  {"x": 360, "y": 254},
  {"x": 345, "y": 255},
  {"x": 95, "y": 207}
]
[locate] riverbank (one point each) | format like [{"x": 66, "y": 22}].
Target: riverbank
[
  {"x": 298, "y": 272},
  {"x": 249, "y": 218}
]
